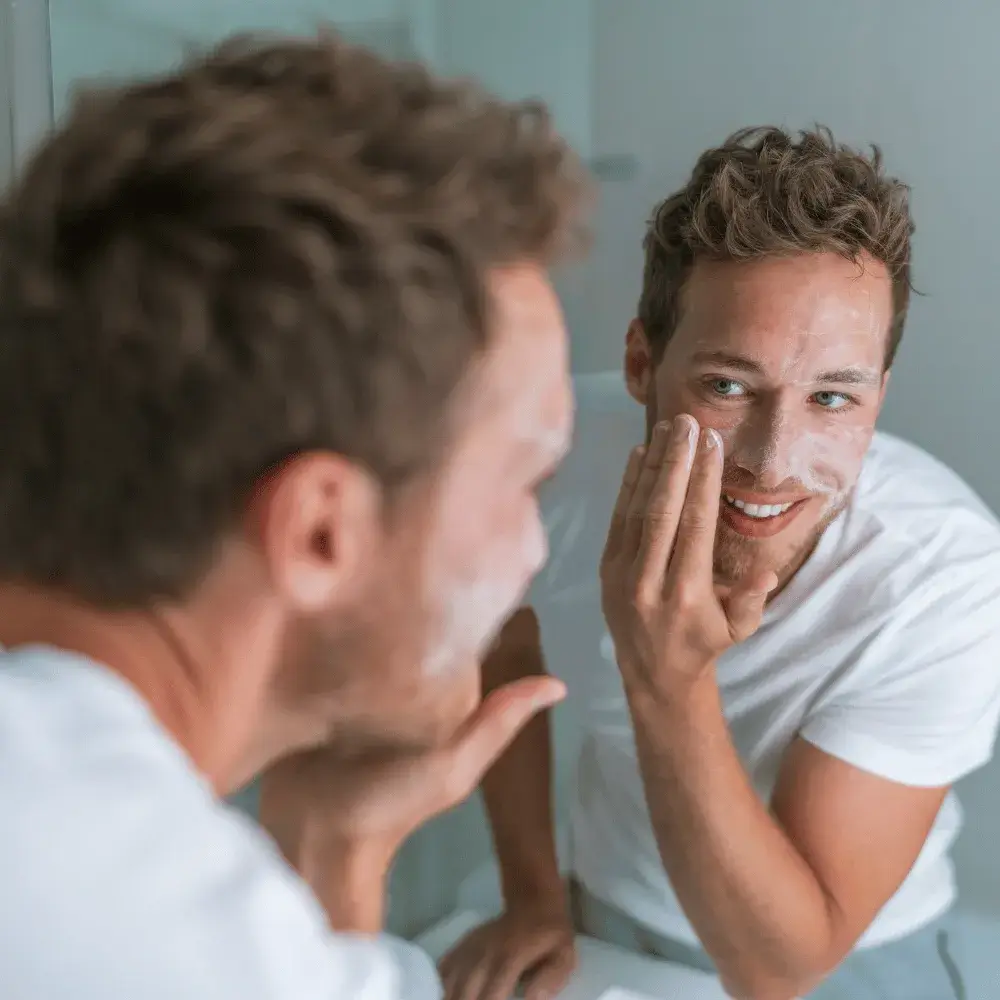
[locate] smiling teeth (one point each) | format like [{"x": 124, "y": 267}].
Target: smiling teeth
[{"x": 759, "y": 510}]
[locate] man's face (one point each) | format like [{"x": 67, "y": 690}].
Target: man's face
[
  {"x": 461, "y": 547},
  {"x": 785, "y": 358}
]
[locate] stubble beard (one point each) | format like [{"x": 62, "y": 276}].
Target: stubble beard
[{"x": 736, "y": 557}]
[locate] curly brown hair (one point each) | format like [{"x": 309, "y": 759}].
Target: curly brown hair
[
  {"x": 283, "y": 246},
  {"x": 763, "y": 193}
]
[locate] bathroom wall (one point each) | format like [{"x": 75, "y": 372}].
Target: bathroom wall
[{"x": 100, "y": 39}]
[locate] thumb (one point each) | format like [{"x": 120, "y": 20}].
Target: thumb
[
  {"x": 745, "y": 605},
  {"x": 494, "y": 726}
]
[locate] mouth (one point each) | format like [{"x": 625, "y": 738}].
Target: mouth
[{"x": 759, "y": 520}]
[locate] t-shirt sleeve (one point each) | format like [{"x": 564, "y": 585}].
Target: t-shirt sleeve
[
  {"x": 384, "y": 968},
  {"x": 920, "y": 705}
]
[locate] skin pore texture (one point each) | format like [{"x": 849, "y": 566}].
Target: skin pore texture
[{"x": 784, "y": 357}]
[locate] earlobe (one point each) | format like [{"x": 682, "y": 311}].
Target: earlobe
[
  {"x": 318, "y": 525},
  {"x": 638, "y": 363}
]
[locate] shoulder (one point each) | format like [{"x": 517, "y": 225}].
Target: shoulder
[
  {"x": 917, "y": 526},
  {"x": 115, "y": 856},
  {"x": 915, "y": 495}
]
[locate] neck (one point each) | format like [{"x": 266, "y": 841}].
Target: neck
[{"x": 163, "y": 653}]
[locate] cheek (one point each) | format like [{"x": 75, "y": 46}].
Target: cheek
[
  {"x": 840, "y": 452},
  {"x": 491, "y": 566},
  {"x": 728, "y": 423},
  {"x": 828, "y": 461},
  {"x": 516, "y": 548}
]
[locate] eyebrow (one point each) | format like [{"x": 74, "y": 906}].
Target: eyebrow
[{"x": 842, "y": 376}]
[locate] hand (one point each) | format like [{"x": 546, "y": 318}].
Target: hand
[
  {"x": 324, "y": 806},
  {"x": 668, "y": 622},
  {"x": 533, "y": 943}
]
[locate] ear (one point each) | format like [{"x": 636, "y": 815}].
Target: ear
[
  {"x": 317, "y": 520},
  {"x": 638, "y": 363}
]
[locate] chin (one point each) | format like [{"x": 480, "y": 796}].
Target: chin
[{"x": 737, "y": 557}]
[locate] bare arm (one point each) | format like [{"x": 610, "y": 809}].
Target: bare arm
[
  {"x": 518, "y": 788},
  {"x": 777, "y": 897},
  {"x": 348, "y": 878}
]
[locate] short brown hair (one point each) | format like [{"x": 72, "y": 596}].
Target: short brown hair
[
  {"x": 764, "y": 194},
  {"x": 284, "y": 246}
]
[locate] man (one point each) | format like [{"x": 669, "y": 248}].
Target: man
[
  {"x": 280, "y": 371},
  {"x": 763, "y": 790}
]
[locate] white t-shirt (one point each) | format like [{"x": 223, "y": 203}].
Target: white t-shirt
[
  {"x": 883, "y": 651},
  {"x": 122, "y": 876}
]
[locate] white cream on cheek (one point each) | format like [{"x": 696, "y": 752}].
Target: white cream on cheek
[
  {"x": 474, "y": 602},
  {"x": 490, "y": 542}
]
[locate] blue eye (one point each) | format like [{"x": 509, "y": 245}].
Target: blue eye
[
  {"x": 727, "y": 387},
  {"x": 832, "y": 400}
]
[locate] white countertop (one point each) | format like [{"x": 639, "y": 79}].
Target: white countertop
[{"x": 604, "y": 972}]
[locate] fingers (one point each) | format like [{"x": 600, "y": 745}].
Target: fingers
[
  {"x": 507, "y": 973},
  {"x": 666, "y": 503},
  {"x": 462, "y": 981},
  {"x": 695, "y": 547},
  {"x": 618, "y": 515},
  {"x": 745, "y": 606},
  {"x": 494, "y": 726},
  {"x": 485, "y": 966},
  {"x": 551, "y": 976},
  {"x": 636, "y": 513}
]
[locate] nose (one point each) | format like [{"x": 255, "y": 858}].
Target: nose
[{"x": 764, "y": 446}]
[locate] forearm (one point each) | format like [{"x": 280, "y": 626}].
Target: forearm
[
  {"x": 517, "y": 790},
  {"x": 517, "y": 793},
  {"x": 350, "y": 883},
  {"x": 349, "y": 880},
  {"x": 756, "y": 905}
]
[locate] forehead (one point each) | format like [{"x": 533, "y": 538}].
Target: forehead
[
  {"x": 520, "y": 389},
  {"x": 800, "y": 312}
]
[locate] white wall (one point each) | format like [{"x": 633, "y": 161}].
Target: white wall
[
  {"x": 530, "y": 49},
  {"x": 101, "y": 39}
]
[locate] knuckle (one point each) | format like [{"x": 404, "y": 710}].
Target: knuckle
[
  {"x": 687, "y": 597},
  {"x": 645, "y": 597},
  {"x": 657, "y": 521},
  {"x": 697, "y": 523},
  {"x": 635, "y": 517}
]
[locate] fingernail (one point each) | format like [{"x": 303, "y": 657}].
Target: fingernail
[
  {"x": 710, "y": 440},
  {"x": 686, "y": 427},
  {"x": 662, "y": 429},
  {"x": 549, "y": 700}
]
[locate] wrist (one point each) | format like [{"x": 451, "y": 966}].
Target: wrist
[
  {"x": 350, "y": 880},
  {"x": 682, "y": 704},
  {"x": 545, "y": 892}
]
